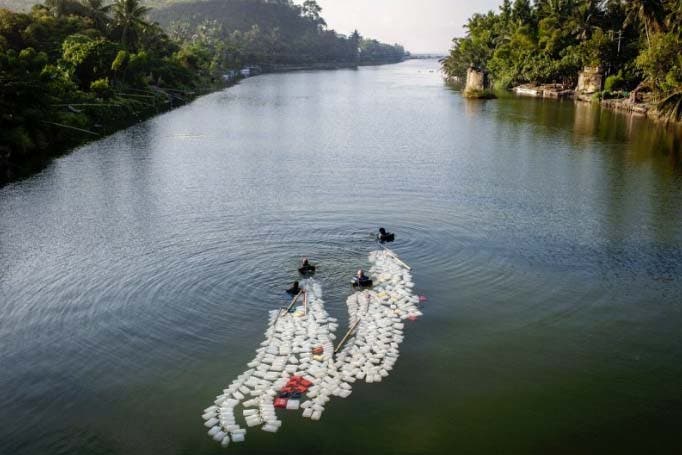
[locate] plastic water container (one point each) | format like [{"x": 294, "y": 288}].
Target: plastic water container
[
  {"x": 219, "y": 436},
  {"x": 269, "y": 428},
  {"x": 211, "y": 422},
  {"x": 238, "y": 437},
  {"x": 253, "y": 421}
]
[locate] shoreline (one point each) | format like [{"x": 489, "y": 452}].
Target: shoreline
[
  {"x": 621, "y": 105},
  {"x": 165, "y": 100}
]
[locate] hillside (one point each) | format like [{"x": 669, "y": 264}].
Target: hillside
[
  {"x": 261, "y": 32},
  {"x": 271, "y": 31}
]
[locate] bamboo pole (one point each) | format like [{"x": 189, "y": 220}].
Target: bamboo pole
[
  {"x": 392, "y": 254},
  {"x": 295, "y": 299},
  {"x": 347, "y": 335},
  {"x": 71, "y": 127}
]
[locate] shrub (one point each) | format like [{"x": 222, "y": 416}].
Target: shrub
[
  {"x": 101, "y": 88},
  {"x": 614, "y": 82}
]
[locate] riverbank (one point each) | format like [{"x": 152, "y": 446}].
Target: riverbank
[
  {"x": 623, "y": 105},
  {"x": 323, "y": 66},
  {"x": 106, "y": 117}
]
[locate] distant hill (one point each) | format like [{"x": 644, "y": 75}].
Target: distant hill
[
  {"x": 271, "y": 31},
  {"x": 261, "y": 32}
]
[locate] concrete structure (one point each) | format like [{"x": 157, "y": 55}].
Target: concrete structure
[
  {"x": 477, "y": 84},
  {"x": 590, "y": 80}
]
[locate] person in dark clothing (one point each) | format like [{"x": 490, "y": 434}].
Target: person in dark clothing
[
  {"x": 361, "y": 279},
  {"x": 306, "y": 267},
  {"x": 295, "y": 289},
  {"x": 385, "y": 236}
]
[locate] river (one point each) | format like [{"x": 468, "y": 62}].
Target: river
[{"x": 136, "y": 272}]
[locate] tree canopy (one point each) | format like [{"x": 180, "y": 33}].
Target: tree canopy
[
  {"x": 72, "y": 70},
  {"x": 270, "y": 32},
  {"x": 551, "y": 40}
]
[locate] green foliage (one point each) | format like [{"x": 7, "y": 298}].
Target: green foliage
[
  {"x": 670, "y": 109},
  {"x": 129, "y": 22},
  {"x": 119, "y": 62},
  {"x": 661, "y": 62},
  {"x": 372, "y": 51},
  {"x": 88, "y": 59},
  {"x": 61, "y": 73},
  {"x": 70, "y": 66},
  {"x": 101, "y": 88},
  {"x": 614, "y": 82},
  {"x": 258, "y": 32},
  {"x": 551, "y": 40}
]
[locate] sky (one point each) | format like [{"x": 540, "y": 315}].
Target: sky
[{"x": 422, "y": 26}]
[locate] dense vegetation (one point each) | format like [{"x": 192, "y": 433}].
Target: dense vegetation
[
  {"x": 633, "y": 41},
  {"x": 269, "y": 32},
  {"x": 73, "y": 70}
]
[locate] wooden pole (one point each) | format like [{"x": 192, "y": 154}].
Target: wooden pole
[
  {"x": 347, "y": 335},
  {"x": 288, "y": 308},
  {"x": 392, "y": 254},
  {"x": 295, "y": 299}
]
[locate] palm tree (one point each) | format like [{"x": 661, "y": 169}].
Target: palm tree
[
  {"x": 670, "y": 109},
  {"x": 62, "y": 8},
  {"x": 647, "y": 12},
  {"x": 585, "y": 16},
  {"x": 129, "y": 20},
  {"x": 98, "y": 12},
  {"x": 674, "y": 17}
]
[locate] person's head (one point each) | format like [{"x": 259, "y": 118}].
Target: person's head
[
  {"x": 360, "y": 272},
  {"x": 382, "y": 231},
  {"x": 305, "y": 260},
  {"x": 295, "y": 284}
]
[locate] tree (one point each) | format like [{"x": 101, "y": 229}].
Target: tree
[
  {"x": 313, "y": 11},
  {"x": 98, "y": 12},
  {"x": 61, "y": 8},
  {"x": 648, "y": 13},
  {"x": 661, "y": 62},
  {"x": 129, "y": 20}
]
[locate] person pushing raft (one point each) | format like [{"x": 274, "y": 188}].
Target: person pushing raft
[
  {"x": 384, "y": 236},
  {"x": 360, "y": 280},
  {"x": 295, "y": 289},
  {"x": 306, "y": 267}
]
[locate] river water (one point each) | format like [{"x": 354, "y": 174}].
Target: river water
[{"x": 136, "y": 272}]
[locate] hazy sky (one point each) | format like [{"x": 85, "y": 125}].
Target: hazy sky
[{"x": 419, "y": 25}]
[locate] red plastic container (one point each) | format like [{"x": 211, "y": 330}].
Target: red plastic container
[{"x": 281, "y": 403}]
